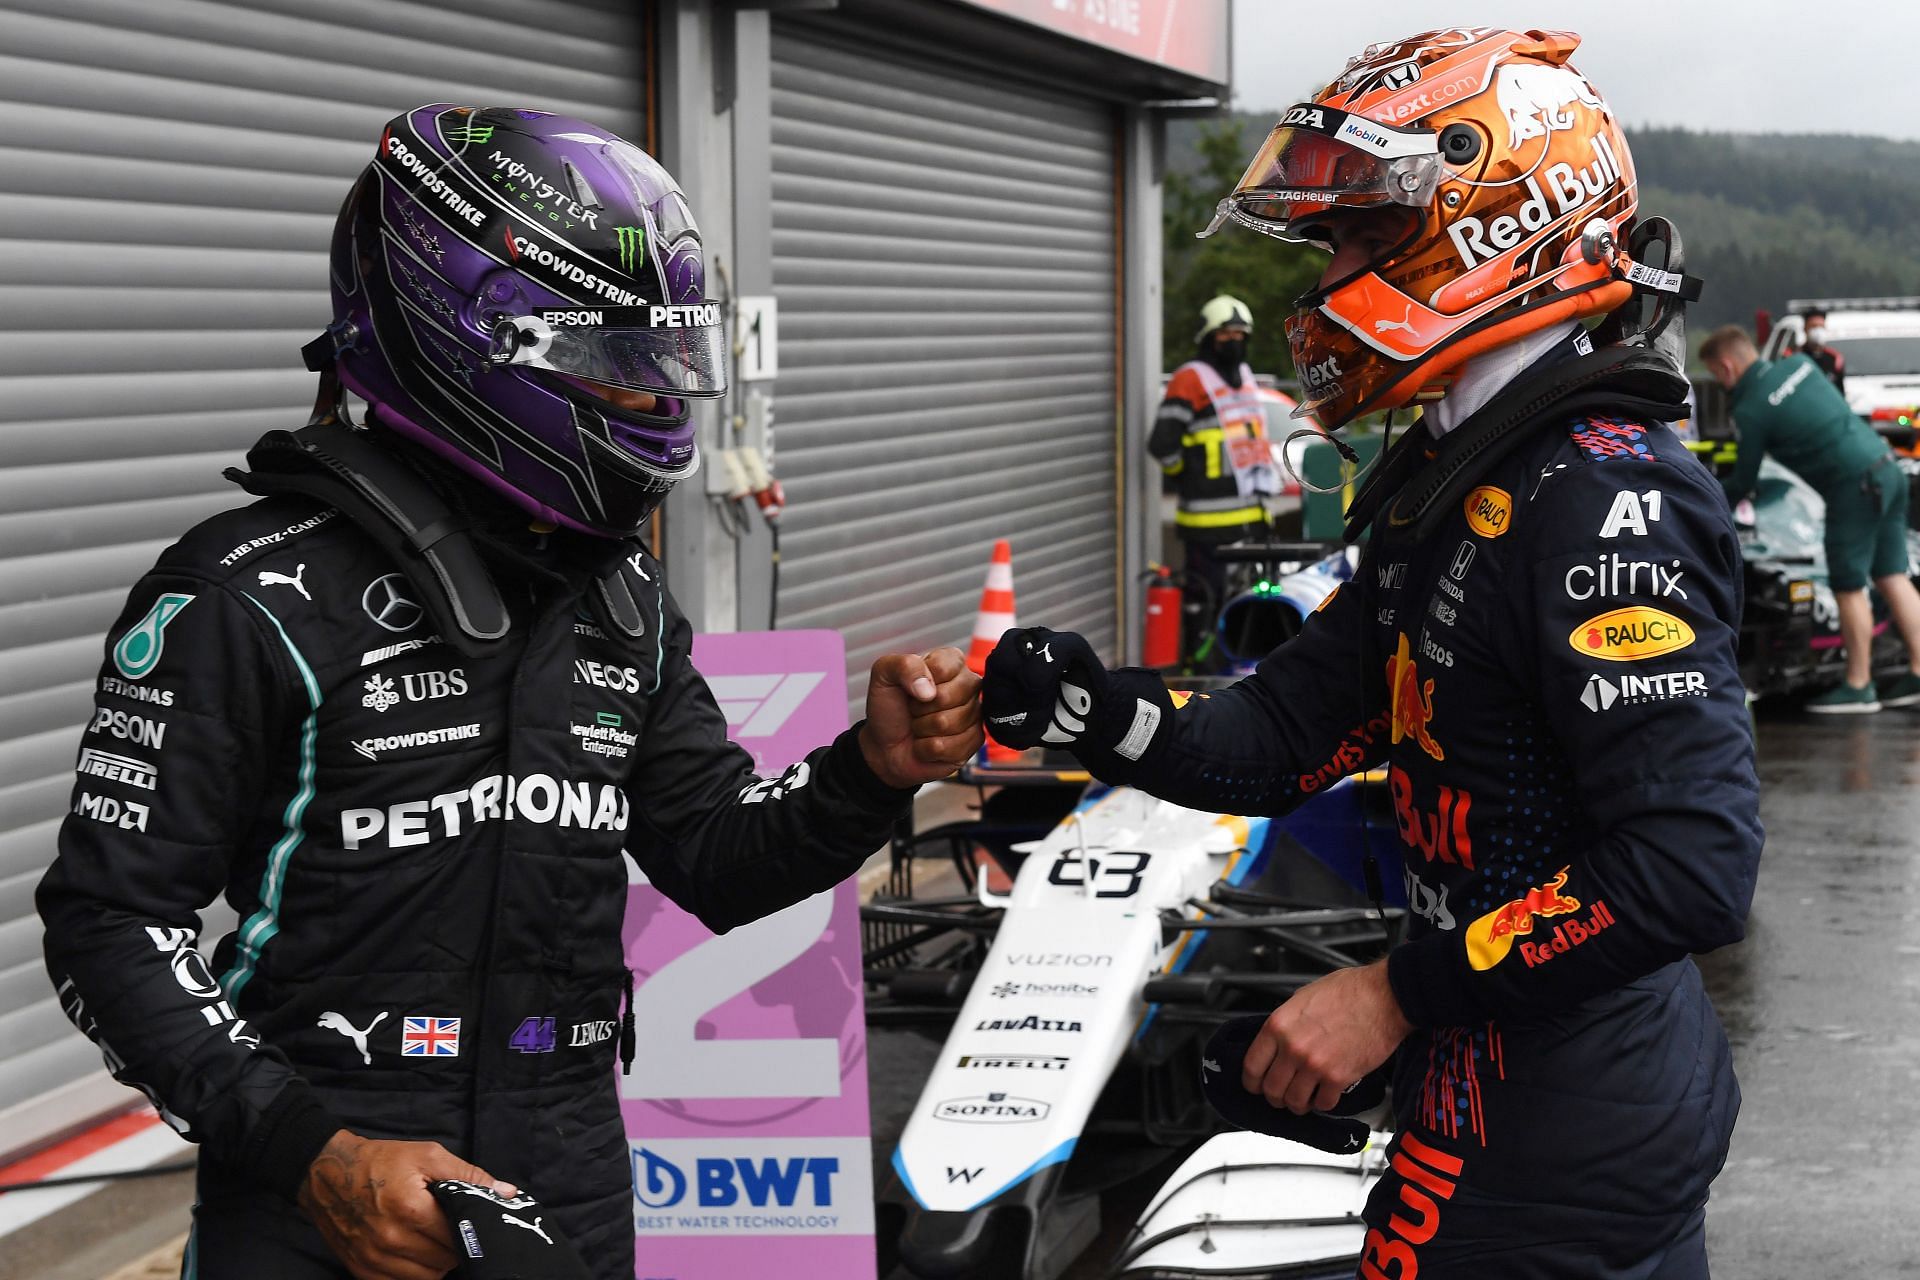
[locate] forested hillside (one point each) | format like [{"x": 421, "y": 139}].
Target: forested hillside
[{"x": 1765, "y": 217}]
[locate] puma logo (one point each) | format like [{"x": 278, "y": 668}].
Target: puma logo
[
  {"x": 331, "y": 1021},
  {"x": 268, "y": 578},
  {"x": 533, "y": 1226},
  {"x": 1405, "y": 323}
]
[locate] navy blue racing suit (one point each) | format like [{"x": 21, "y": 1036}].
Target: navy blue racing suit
[{"x": 1550, "y": 677}]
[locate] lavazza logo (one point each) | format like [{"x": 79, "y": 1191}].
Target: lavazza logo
[{"x": 1602, "y": 694}]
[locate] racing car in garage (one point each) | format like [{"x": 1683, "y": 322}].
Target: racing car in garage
[{"x": 1093, "y": 939}]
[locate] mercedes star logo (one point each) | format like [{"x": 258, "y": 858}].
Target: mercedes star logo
[{"x": 387, "y": 603}]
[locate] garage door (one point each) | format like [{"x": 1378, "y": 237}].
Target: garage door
[
  {"x": 944, "y": 258},
  {"x": 172, "y": 171}
]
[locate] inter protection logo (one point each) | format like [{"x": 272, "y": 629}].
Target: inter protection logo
[
  {"x": 632, "y": 243},
  {"x": 138, "y": 651}
]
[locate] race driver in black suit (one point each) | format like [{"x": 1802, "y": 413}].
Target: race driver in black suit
[{"x": 407, "y": 711}]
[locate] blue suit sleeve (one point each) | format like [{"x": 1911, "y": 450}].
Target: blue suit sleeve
[{"x": 1311, "y": 713}]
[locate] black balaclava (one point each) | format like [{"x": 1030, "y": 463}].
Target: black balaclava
[{"x": 1225, "y": 357}]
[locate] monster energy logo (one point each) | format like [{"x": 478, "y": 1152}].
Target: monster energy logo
[
  {"x": 632, "y": 242},
  {"x": 471, "y": 133}
]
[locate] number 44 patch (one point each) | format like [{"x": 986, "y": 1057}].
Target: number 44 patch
[
  {"x": 1631, "y": 513},
  {"x": 533, "y": 1035}
]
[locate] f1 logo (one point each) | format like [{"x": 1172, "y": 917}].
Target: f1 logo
[{"x": 756, "y": 706}]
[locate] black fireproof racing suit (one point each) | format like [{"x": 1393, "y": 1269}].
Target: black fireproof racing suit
[
  {"x": 425, "y": 854},
  {"x": 1550, "y": 678}
]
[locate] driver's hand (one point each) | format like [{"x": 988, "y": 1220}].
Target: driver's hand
[
  {"x": 923, "y": 717},
  {"x": 1042, "y": 686},
  {"x": 370, "y": 1201}
]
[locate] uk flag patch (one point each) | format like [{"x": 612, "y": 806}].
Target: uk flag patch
[{"x": 430, "y": 1038}]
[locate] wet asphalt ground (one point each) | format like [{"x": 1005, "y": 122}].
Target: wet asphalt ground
[{"x": 1821, "y": 1003}]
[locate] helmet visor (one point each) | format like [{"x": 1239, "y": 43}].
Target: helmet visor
[
  {"x": 1319, "y": 158},
  {"x": 668, "y": 350}
]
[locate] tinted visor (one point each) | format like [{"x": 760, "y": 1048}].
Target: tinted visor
[
  {"x": 668, "y": 350},
  {"x": 1320, "y": 158}
]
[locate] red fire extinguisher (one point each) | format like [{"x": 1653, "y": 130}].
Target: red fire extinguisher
[{"x": 1162, "y": 642}]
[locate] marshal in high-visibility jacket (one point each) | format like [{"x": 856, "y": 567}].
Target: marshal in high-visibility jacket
[{"x": 1210, "y": 433}]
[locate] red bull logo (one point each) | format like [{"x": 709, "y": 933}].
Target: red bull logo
[
  {"x": 1491, "y": 936},
  {"x": 1411, "y": 701},
  {"x": 1426, "y": 1178},
  {"x": 1440, "y": 836},
  {"x": 1566, "y": 937}
]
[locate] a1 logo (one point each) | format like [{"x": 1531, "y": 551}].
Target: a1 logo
[{"x": 533, "y": 1035}]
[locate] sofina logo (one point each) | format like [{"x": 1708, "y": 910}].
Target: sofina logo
[
  {"x": 138, "y": 652},
  {"x": 1628, "y": 635},
  {"x": 631, "y": 243}
]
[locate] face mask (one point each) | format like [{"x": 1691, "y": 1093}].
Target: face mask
[
  {"x": 1228, "y": 355},
  {"x": 1817, "y": 335}
]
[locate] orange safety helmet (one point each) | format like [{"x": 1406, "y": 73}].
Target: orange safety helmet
[{"x": 1524, "y": 188}]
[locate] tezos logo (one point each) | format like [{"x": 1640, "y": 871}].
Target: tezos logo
[
  {"x": 1630, "y": 634},
  {"x": 387, "y": 602}
]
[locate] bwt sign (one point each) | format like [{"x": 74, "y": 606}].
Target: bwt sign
[{"x": 752, "y": 1186}]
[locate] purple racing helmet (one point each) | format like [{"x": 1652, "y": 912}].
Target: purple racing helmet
[{"x": 511, "y": 289}]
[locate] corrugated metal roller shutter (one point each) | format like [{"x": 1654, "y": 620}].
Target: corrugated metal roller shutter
[
  {"x": 172, "y": 172},
  {"x": 944, "y": 257}
]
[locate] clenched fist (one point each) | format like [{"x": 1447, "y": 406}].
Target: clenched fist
[
  {"x": 1042, "y": 686},
  {"x": 923, "y": 717}
]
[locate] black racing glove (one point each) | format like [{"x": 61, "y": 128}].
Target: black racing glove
[
  {"x": 1341, "y": 1131},
  {"x": 1041, "y": 686},
  {"x": 500, "y": 1239}
]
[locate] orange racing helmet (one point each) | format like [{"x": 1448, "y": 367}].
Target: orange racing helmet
[{"x": 1524, "y": 190}]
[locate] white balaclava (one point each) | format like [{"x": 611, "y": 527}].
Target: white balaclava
[{"x": 1481, "y": 378}]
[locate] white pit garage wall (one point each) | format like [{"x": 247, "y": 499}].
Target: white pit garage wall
[
  {"x": 172, "y": 174},
  {"x": 955, "y": 204}
]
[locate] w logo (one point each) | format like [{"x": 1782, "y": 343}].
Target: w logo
[{"x": 632, "y": 243}]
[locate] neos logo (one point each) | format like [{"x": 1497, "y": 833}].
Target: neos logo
[{"x": 724, "y": 1182}]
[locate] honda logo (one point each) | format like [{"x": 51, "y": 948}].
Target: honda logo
[{"x": 1462, "y": 560}]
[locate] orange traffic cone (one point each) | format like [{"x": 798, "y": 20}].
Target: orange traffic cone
[{"x": 994, "y": 620}]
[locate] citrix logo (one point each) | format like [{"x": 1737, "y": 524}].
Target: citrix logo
[{"x": 720, "y": 1182}]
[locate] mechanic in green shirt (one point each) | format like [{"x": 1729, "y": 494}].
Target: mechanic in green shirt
[{"x": 1788, "y": 408}]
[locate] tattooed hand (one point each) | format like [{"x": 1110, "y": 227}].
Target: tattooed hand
[{"x": 370, "y": 1201}]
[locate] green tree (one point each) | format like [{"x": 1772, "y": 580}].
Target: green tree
[{"x": 1265, "y": 273}]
